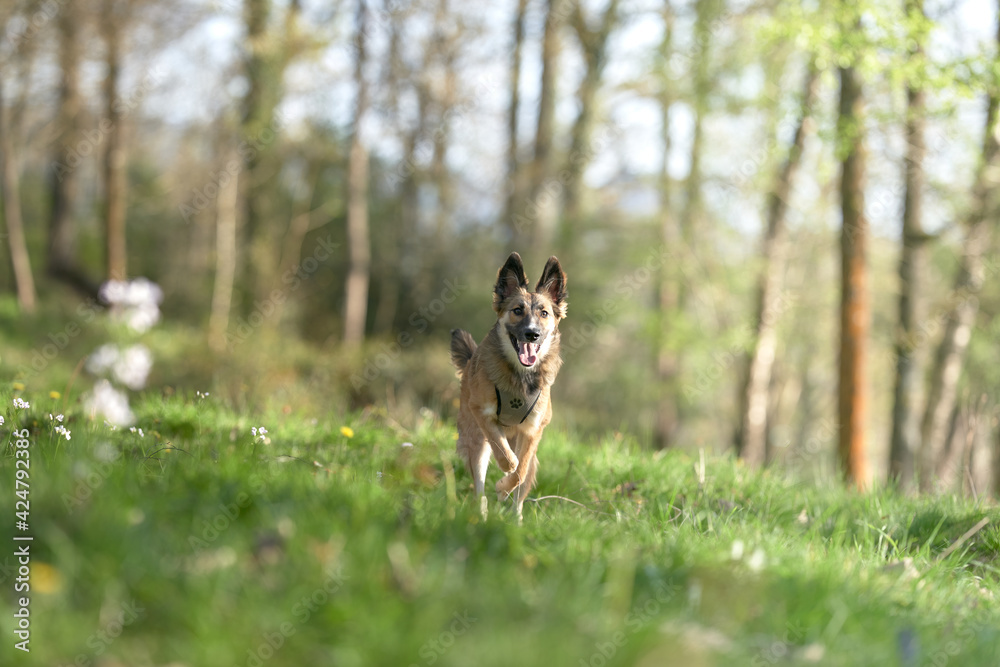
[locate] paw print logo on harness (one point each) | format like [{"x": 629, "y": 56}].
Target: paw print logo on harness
[{"x": 516, "y": 403}]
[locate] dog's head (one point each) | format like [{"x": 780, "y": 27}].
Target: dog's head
[{"x": 529, "y": 321}]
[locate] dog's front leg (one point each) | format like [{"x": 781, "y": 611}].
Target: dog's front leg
[
  {"x": 505, "y": 456},
  {"x": 512, "y": 480}
]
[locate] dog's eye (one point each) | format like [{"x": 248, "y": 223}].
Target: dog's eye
[
  {"x": 519, "y": 311},
  {"x": 545, "y": 313}
]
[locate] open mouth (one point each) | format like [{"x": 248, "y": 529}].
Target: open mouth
[{"x": 527, "y": 353}]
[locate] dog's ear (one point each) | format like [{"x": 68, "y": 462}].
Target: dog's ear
[
  {"x": 510, "y": 278},
  {"x": 553, "y": 283}
]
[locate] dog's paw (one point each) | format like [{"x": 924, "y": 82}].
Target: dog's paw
[
  {"x": 509, "y": 464},
  {"x": 509, "y": 482}
]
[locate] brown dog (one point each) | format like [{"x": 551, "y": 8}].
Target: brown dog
[{"x": 506, "y": 381}]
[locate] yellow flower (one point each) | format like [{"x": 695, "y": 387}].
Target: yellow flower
[
  {"x": 45, "y": 578},
  {"x": 454, "y": 436},
  {"x": 55, "y": 394},
  {"x": 347, "y": 431},
  {"x": 18, "y": 386}
]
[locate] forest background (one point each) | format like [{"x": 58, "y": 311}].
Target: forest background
[{"x": 777, "y": 218}]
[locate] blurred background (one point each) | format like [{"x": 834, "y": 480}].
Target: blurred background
[{"x": 776, "y": 217}]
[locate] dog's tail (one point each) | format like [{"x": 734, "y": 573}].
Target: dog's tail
[{"x": 463, "y": 345}]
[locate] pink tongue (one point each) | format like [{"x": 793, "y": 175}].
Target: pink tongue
[{"x": 526, "y": 353}]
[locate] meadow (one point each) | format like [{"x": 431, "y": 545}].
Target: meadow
[{"x": 353, "y": 539}]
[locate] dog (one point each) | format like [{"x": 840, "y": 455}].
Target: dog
[{"x": 507, "y": 379}]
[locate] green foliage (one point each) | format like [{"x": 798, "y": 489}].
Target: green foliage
[{"x": 198, "y": 543}]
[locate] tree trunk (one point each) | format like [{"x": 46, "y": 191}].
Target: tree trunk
[
  {"x": 514, "y": 174},
  {"x": 909, "y": 362},
  {"x": 268, "y": 52},
  {"x": 541, "y": 211},
  {"x": 949, "y": 465},
  {"x": 963, "y": 303},
  {"x": 669, "y": 285},
  {"x": 359, "y": 244},
  {"x": 114, "y": 152},
  {"x": 226, "y": 225},
  {"x": 442, "y": 136},
  {"x": 62, "y": 263},
  {"x": 854, "y": 308},
  {"x": 752, "y": 436},
  {"x": 11, "y": 193},
  {"x": 594, "y": 45}
]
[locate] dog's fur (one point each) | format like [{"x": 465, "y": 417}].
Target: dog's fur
[{"x": 518, "y": 356}]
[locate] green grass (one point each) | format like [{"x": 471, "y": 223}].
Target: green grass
[{"x": 196, "y": 545}]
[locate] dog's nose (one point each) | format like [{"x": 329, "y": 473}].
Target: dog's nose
[{"x": 531, "y": 335}]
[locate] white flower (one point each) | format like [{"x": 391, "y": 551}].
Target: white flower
[
  {"x": 407, "y": 444},
  {"x": 136, "y": 302},
  {"x": 111, "y": 403},
  {"x": 132, "y": 367},
  {"x": 18, "y": 403},
  {"x": 135, "y": 430},
  {"x": 757, "y": 560},
  {"x": 102, "y": 359},
  {"x": 1, "y": 420},
  {"x": 62, "y": 431},
  {"x": 57, "y": 418},
  {"x": 262, "y": 430}
]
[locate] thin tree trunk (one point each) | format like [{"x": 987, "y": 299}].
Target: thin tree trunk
[
  {"x": 667, "y": 363},
  {"x": 963, "y": 303},
  {"x": 359, "y": 244},
  {"x": 226, "y": 225},
  {"x": 62, "y": 263},
  {"x": 542, "y": 204},
  {"x": 594, "y": 45},
  {"x": 909, "y": 362},
  {"x": 268, "y": 52},
  {"x": 949, "y": 466},
  {"x": 114, "y": 152},
  {"x": 442, "y": 136},
  {"x": 11, "y": 193},
  {"x": 855, "y": 308},
  {"x": 752, "y": 436},
  {"x": 514, "y": 174}
]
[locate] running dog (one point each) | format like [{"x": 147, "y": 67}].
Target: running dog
[{"x": 507, "y": 379}]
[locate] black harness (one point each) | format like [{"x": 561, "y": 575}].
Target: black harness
[{"x": 513, "y": 410}]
